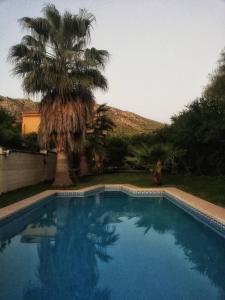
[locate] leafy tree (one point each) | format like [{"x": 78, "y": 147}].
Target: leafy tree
[
  {"x": 54, "y": 60},
  {"x": 116, "y": 151},
  {"x": 30, "y": 142},
  {"x": 9, "y": 130},
  {"x": 216, "y": 86},
  {"x": 197, "y": 136}
]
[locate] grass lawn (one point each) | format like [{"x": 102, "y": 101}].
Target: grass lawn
[
  {"x": 206, "y": 187},
  {"x": 20, "y": 194}
]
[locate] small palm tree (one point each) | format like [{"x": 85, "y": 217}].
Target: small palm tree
[
  {"x": 99, "y": 128},
  {"x": 102, "y": 122},
  {"x": 150, "y": 158},
  {"x": 54, "y": 61}
]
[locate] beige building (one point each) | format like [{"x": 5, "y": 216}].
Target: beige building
[{"x": 30, "y": 122}]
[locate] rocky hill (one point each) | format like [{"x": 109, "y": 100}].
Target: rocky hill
[
  {"x": 127, "y": 123},
  {"x": 17, "y": 106}
]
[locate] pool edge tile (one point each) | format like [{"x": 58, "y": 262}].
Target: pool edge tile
[{"x": 206, "y": 212}]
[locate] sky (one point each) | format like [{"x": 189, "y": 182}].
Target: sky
[{"x": 161, "y": 51}]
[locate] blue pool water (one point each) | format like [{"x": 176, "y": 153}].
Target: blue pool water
[{"x": 110, "y": 246}]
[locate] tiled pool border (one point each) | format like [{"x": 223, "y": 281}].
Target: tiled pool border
[
  {"x": 217, "y": 226},
  {"x": 204, "y": 211}
]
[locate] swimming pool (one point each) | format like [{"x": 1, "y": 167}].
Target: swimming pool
[{"x": 110, "y": 245}]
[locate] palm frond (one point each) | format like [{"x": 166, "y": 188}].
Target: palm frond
[
  {"x": 52, "y": 15},
  {"x": 96, "y": 58},
  {"x": 38, "y": 26},
  {"x": 17, "y": 52},
  {"x": 23, "y": 67},
  {"x": 86, "y": 21},
  {"x": 102, "y": 108},
  {"x": 90, "y": 77}
]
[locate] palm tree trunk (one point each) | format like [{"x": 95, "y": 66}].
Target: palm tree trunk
[
  {"x": 62, "y": 176},
  {"x": 98, "y": 163},
  {"x": 83, "y": 165}
]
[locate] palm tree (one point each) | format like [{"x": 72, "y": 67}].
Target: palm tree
[
  {"x": 97, "y": 131},
  {"x": 55, "y": 62},
  {"x": 149, "y": 157},
  {"x": 102, "y": 123}
]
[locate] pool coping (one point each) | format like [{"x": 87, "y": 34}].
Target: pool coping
[{"x": 206, "y": 212}]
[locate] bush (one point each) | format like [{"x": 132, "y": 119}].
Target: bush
[{"x": 10, "y": 136}]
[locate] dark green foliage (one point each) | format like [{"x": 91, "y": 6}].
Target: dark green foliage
[
  {"x": 116, "y": 151},
  {"x": 102, "y": 123},
  {"x": 97, "y": 131},
  {"x": 144, "y": 156},
  {"x": 99, "y": 127},
  {"x": 137, "y": 148},
  {"x": 9, "y": 131},
  {"x": 193, "y": 143},
  {"x": 216, "y": 86},
  {"x": 198, "y": 133},
  {"x": 10, "y": 134},
  {"x": 30, "y": 142}
]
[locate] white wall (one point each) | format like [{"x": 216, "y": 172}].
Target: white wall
[{"x": 20, "y": 169}]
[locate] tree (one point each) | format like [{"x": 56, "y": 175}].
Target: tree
[
  {"x": 197, "y": 137},
  {"x": 150, "y": 158},
  {"x": 116, "y": 151},
  {"x": 145, "y": 156},
  {"x": 30, "y": 142},
  {"x": 9, "y": 131},
  {"x": 55, "y": 62},
  {"x": 216, "y": 86},
  {"x": 98, "y": 129}
]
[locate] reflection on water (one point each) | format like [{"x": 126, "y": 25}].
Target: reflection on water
[{"x": 85, "y": 248}]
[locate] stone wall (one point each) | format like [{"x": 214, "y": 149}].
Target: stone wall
[{"x": 20, "y": 169}]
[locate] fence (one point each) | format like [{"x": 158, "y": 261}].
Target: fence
[{"x": 20, "y": 169}]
